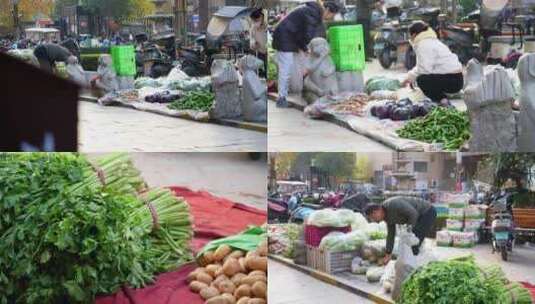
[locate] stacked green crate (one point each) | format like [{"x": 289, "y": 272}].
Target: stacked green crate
[
  {"x": 347, "y": 47},
  {"x": 124, "y": 60}
]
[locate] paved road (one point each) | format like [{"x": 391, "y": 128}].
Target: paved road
[
  {"x": 289, "y": 286},
  {"x": 230, "y": 175},
  {"x": 106, "y": 129},
  {"x": 290, "y": 130}
]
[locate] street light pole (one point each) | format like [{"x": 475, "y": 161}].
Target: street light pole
[
  {"x": 16, "y": 18},
  {"x": 181, "y": 19}
]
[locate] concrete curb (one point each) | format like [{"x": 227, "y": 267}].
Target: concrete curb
[
  {"x": 332, "y": 280},
  {"x": 224, "y": 122}
]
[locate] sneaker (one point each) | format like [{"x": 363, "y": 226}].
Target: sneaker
[{"x": 282, "y": 102}]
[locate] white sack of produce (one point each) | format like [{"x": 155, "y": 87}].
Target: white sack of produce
[
  {"x": 328, "y": 218},
  {"x": 472, "y": 224},
  {"x": 374, "y": 274},
  {"x": 473, "y": 212},
  {"x": 359, "y": 266},
  {"x": 177, "y": 74},
  {"x": 376, "y": 231},
  {"x": 455, "y": 213},
  {"x": 374, "y": 249},
  {"x": 444, "y": 238},
  {"x": 339, "y": 241},
  {"x": 359, "y": 222}
]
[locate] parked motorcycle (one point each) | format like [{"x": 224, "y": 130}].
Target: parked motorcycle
[{"x": 502, "y": 228}]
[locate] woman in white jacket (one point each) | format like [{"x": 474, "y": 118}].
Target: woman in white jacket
[{"x": 438, "y": 70}]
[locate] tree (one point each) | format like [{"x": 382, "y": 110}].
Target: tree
[
  {"x": 363, "y": 169},
  {"x": 515, "y": 166},
  {"x": 339, "y": 164},
  {"x": 284, "y": 163},
  {"x": 141, "y": 8},
  {"x": 116, "y": 9},
  {"x": 29, "y": 9}
]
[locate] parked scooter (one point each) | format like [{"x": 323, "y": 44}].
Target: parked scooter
[
  {"x": 461, "y": 38},
  {"x": 502, "y": 229}
]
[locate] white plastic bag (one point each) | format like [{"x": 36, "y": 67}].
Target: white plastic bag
[
  {"x": 387, "y": 280},
  {"x": 374, "y": 274},
  {"x": 325, "y": 218}
]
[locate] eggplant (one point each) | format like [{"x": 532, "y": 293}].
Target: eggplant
[
  {"x": 404, "y": 102},
  {"x": 401, "y": 113},
  {"x": 383, "y": 112},
  {"x": 373, "y": 111}
]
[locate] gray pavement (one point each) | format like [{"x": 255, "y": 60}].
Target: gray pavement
[
  {"x": 289, "y": 286},
  {"x": 230, "y": 175},
  {"x": 291, "y": 130},
  {"x": 106, "y": 129}
]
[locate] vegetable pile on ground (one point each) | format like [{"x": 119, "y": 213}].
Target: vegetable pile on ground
[
  {"x": 282, "y": 238},
  {"x": 402, "y": 110},
  {"x": 201, "y": 101},
  {"x": 381, "y": 83},
  {"x": 461, "y": 281},
  {"x": 442, "y": 125},
  {"x": 72, "y": 228},
  {"x": 232, "y": 276},
  {"x": 353, "y": 105}
]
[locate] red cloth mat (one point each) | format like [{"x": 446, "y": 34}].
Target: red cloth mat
[
  {"x": 213, "y": 218},
  {"x": 529, "y": 287}
]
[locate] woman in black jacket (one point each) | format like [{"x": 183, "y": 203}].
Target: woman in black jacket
[{"x": 293, "y": 34}]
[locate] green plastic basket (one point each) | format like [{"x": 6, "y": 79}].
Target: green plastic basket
[
  {"x": 124, "y": 60},
  {"x": 347, "y": 47}
]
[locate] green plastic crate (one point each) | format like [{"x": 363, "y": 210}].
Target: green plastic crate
[
  {"x": 347, "y": 47},
  {"x": 124, "y": 60}
]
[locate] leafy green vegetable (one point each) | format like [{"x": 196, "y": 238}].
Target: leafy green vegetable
[
  {"x": 460, "y": 281},
  {"x": 441, "y": 125},
  {"x": 71, "y": 229},
  {"x": 194, "y": 100}
]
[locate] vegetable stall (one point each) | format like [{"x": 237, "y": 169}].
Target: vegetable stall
[
  {"x": 341, "y": 246},
  {"x": 84, "y": 229}
]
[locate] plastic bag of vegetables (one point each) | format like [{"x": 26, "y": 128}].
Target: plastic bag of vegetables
[
  {"x": 381, "y": 83},
  {"x": 325, "y": 218},
  {"x": 339, "y": 241}
]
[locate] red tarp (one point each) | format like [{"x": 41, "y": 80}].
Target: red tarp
[
  {"x": 531, "y": 289},
  {"x": 213, "y": 218}
]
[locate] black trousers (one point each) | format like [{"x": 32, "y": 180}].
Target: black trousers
[
  {"x": 435, "y": 86},
  {"x": 423, "y": 227},
  {"x": 264, "y": 58}
]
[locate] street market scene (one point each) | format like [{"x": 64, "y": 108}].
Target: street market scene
[
  {"x": 191, "y": 73},
  {"x": 401, "y": 227},
  {"x": 133, "y": 228},
  {"x": 401, "y": 75}
]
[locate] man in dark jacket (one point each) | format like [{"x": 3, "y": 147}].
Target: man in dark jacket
[
  {"x": 49, "y": 53},
  {"x": 401, "y": 210},
  {"x": 293, "y": 34}
]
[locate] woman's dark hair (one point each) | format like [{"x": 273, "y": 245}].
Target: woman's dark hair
[
  {"x": 332, "y": 7},
  {"x": 417, "y": 27},
  {"x": 257, "y": 13}
]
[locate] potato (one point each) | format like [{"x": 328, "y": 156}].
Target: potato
[
  {"x": 256, "y": 301},
  {"x": 251, "y": 254},
  {"x": 242, "y": 291},
  {"x": 243, "y": 265},
  {"x": 221, "y": 252},
  {"x": 209, "y": 292},
  {"x": 236, "y": 279},
  {"x": 212, "y": 269},
  {"x": 196, "y": 286},
  {"x": 259, "y": 289},
  {"x": 257, "y": 272},
  {"x": 226, "y": 287},
  {"x": 231, "y": 267},
  {"x": 262, "y": 249},
  {"x": 208, "y": 257},
  {"x": 250, "y": 280},
  {"x": 204, "y": 277},
  {"x": 221, "y": 278},
  {"x": 217, "y": 300},
  {"x": 230, "y": 298},
  {"x": 192, "y": 276},
  {"x": 236, "y": 254},
  {"x": 243, "y": 300},
  {"x": 257, "y": 263}
]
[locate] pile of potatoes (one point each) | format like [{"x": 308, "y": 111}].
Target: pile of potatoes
[{"x": 232, "y": 276}]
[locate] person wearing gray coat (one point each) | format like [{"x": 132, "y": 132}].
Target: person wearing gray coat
[{"x": 403, "y": 210}]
